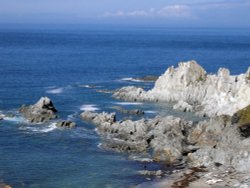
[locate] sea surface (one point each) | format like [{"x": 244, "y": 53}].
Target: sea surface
[{"x": 69, "y": 65}]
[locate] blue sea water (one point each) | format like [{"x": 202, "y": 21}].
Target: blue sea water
[{"x": 58, "y": 62}]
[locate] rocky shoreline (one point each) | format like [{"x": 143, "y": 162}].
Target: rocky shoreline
[
  {"x": 212, "y": 152},
  {"x": 219, "y": 145}
]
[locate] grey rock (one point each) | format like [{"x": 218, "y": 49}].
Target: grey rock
[
  {"x": 98, "y": 118},
  {"x": 164, "y": 136},
  {"x": 148, "y": 78},
  {"x": 130, "y": 112},
  {"x": 42, "y": 111}
]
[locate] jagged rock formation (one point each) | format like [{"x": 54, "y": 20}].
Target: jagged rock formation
[
  {"x": 162, "y": 135},
  {"x": 41, "y": 111},
  {"x": 170, "y": 139},
  {"x": 206, "y": 93}
]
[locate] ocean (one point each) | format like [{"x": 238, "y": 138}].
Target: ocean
[{"x": 69, "y": 66}]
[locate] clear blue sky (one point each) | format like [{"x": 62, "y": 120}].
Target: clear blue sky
[{"x": 176, "y": 13}]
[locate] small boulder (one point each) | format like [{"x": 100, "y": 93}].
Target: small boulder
[
  {"x": 66, "y": 124},
  {"x": 183, "y": 106},
  {"x": 98, "y": 118}
]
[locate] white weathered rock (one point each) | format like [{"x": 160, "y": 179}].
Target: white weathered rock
[
  {"x": 210, "y": 94},
  {"x": 183, "y": 106},
  {"x": 41, "y": 111}
]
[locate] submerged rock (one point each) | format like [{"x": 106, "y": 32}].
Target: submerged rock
[
  {"x": 208, "y": 94},
  {"x": 66, "y": 124},
  {"x": 130, "y": 112},
  {"x": 148, "y": 78},
  {"x": 41, "y": 111}
]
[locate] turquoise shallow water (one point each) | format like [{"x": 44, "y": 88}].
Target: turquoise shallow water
[{"x": 57, "y": 62}]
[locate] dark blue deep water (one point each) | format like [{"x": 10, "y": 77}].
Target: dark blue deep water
[{"x": 58, "y": 62}]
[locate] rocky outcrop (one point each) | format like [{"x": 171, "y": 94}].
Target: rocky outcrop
[
  {"x": 41, "y": 111},
  {"x": 208, "y": 94},
  {"x": 207, "y": 143},
  {"x": 164, "y": 136},
  {"x": 66, "y": 124}
]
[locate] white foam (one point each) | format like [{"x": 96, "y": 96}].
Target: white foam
[
  {"x": 85, "y": 86},
  {"x": 99, "y": 145},
  {"x": 150, "y": 112},
  {"x": 131, "y": 79},
  {"x": 89, "y": 107},
  {"x": 90, "y": 86},
  {"x": 39, "y": 128},
  {"x": 55, "y": 91},
  {"x": 14, "y": 119},
  {"x": 129, "y": 103}
]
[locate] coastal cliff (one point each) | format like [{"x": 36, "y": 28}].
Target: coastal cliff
[{"x": 192, "y": 89}]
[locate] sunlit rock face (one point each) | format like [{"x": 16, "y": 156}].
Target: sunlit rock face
[{"x": 208, "y": 94}]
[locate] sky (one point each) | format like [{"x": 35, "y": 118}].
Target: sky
[{"x": 171, "y": 13}]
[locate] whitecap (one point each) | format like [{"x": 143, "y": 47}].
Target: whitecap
[
  {"x": 39, "y": 128},
  {"x": 89, "y": 107},
  {"x": 129, "y": 103},
  {"x": 55, "y": 91},
  {"x": 90, "y": 86},
  {"x": 130, "y": 79},
  {"x": 150, "y": 112},
  {"x": 15, "y": 119}
]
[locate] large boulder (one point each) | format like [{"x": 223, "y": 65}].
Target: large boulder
[{"x": 39, "y": 112}]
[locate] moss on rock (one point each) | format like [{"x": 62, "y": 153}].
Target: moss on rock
[{"x": 242, "y": 119}]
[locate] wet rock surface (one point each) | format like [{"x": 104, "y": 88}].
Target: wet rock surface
[
  {"x": 149, "y": 78},
  {"x": 39, "y": 112},
  {"x": 128, "y": 111},
  {"x": 212, "y": 143},
  {"x": 66, "y": 124}
]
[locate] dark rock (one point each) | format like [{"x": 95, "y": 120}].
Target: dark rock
[
  {"x": 66, "y": 124},
  {"x": 42, "y": 111},
  {"x": 149, "y": 78},
  {"x": 130, "y": 112}
]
